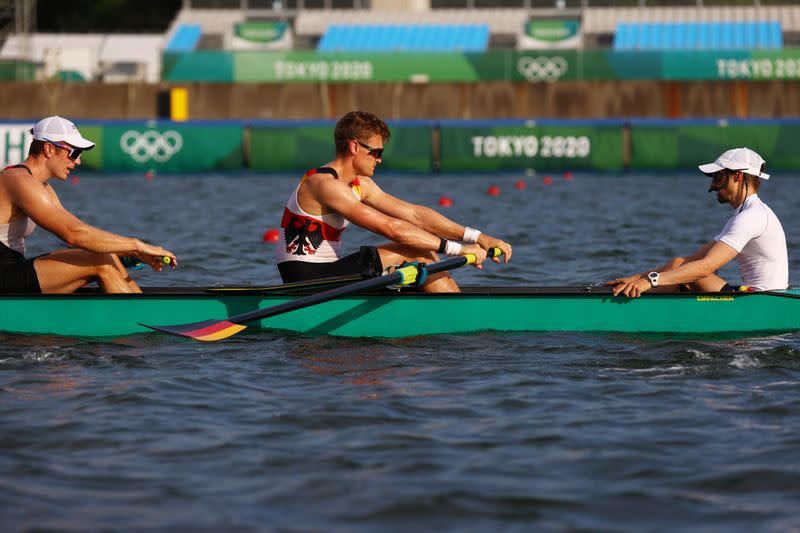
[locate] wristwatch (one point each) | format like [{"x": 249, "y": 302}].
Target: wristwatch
[{"x": 653, "y": 277}]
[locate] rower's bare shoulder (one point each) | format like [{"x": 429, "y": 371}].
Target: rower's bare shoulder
[
  {"x": 320, "y": 184},
  {"x": 18, "y": 185},
  {"x": 366, "y": 181},
  {"x": 14, "y": 179},
  {"x": 369, "y": 189}
]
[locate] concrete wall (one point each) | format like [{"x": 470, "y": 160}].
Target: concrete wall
[{"x": 597, "y": 99}]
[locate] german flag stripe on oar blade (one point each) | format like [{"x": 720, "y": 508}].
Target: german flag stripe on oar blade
[{"x": 207, "y": 330}]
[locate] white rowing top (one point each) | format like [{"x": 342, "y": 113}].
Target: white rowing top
[
  {"x": 756, "y": 233},
  {"x": 13, "y": 234}
]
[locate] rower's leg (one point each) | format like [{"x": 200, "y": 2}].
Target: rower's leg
[
  {"x": 65, "y": 271},
  {"x": 124, "y": 273},
  {"x": 394, "y": 254},
  {"x": 710, "y": 283}
]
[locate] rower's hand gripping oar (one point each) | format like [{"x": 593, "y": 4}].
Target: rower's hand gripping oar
[
  {"x": 132, "y": 262},
  {"x": 215, "y": 330}
]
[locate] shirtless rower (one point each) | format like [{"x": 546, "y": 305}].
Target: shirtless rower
[
  {"x": 27, "y": 200},
  {"x": 343, "y": 191}
]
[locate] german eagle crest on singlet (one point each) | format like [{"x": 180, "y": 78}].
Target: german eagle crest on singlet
[{"x": 303, "y": 235}]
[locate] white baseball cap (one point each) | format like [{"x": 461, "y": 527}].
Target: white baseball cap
[
  {"x": 57, "y": 129},
  {"x": 743, "y": 159}
]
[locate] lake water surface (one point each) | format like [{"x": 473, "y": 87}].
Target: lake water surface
[{"x": 512, "y": 432}]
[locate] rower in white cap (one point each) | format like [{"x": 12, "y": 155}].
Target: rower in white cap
[
  {"x": 753, "y": 235},
  {"x": 28, "y": 200}
]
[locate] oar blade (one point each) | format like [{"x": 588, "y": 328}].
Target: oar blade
[{"x": 206, "y": 331}]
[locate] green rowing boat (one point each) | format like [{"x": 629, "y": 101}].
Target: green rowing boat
[{"x": 405, "y": 313}]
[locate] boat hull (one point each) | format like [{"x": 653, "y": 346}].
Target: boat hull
[{"x": 406, "y": 314}]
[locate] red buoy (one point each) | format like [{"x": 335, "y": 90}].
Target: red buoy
[
  {"x": 444, "y": 201},
  {"x": 493, "y": 190},
  {"x": 567, "y": 175},
  {"x": 547, "y": 180},
  {"x": 74, "y": 180},
  {"x": 149, "y": 175},
  {"x": 520, "y": 185},
  {"x": 271, "y": 235}
]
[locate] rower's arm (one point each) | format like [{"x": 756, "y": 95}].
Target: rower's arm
[
  {"x": 426, "y": 218},
  {"x": 697, "y": 266},
  {"x": 678, "y": 261},
  {"x": 705, "y": 261},
  {"x": 41, "y": 204},
  {"x": 337, "y": 196},
  {"x": 673, "y": 263},
  {"x": 418, "y": 215}
]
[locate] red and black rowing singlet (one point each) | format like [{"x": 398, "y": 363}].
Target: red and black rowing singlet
[{"x": 312, "y": 238}]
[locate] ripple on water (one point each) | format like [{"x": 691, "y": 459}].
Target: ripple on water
[{"x": 269, "y": 431}]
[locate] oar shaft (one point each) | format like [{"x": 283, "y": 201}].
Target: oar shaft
[
  {"x": 318, "y": 298},
  {"x": 367, "y": 284},
  {"x": 214, "y": 330}
]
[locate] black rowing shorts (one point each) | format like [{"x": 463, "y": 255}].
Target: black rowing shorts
[
  {"x": 366, "y": 263},
  {"x": 18, "y": 275}
]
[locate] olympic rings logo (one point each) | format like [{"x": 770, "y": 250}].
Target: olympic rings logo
[
  {"x": 151, "y": 145},
  {"x": 542, "y": 68}
]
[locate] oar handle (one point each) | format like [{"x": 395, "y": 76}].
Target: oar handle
[
  {"x": 491, "y": 252},
  {"x": 129, "y": 261}
]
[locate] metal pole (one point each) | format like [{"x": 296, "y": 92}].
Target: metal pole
[{"x": 24, "y": 23}]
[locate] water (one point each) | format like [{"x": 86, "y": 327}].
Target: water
[{"x": 512, "y": 432}]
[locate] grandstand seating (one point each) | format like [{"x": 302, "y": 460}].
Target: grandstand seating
[
  {"x": 185, "y": 38},
  {"x": 408, "y": 38},
  {"x": 698, "y": 35},
  {"x": 128, "y": 57}
]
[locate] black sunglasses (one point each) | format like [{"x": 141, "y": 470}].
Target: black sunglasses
[
  {"x": 74, "y": 153},
  {"x": 377, "y": 153}
]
